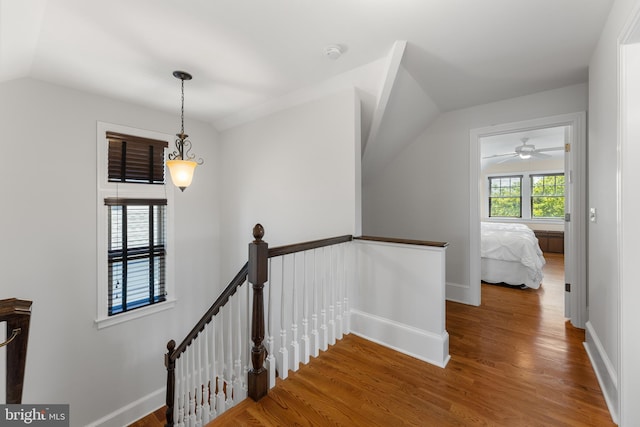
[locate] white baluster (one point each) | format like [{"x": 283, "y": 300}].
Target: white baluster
[
  {"x": 238, "y": 384},
  {"x": 339, "y": 288},
  {"x": 348, "y": 282},
  {"x": 187, "y": 386},
  {"x": 214, "y": 369},
  {"x": 229, "y": 352},
  {"x": 180, "y": 401},
  {"x": 315, "y": 336},
  {"x": 230, "y": 394},
  {"x": 248, "y": 365},
  {"x": 305, "y": 312},
  {"x": 331, "y": 292},
  {"x": 283, "y": 362},
  {"x": 271, "y": 359},
  {"x": 198, "y": 364},
  {"x": 192, "y": 387},
  {"x": 206, "y": 409},
  {"x": 295, "y": 346},
  {"x": 324, "y": 332},
  {"x": 220, "y": 398}
]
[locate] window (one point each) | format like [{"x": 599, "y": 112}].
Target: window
[
  {"x": 135, "y": 235},
  {"x": 136, "y": 253},
  {"x": 505, "y": 196},
  {"x": 134, "y": 159},
  {"x": 547, "y": 196}
]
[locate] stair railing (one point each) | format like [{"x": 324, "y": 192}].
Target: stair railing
[
  {"x": 224, "y": 358},
  {"x": 17, "y": 315}
]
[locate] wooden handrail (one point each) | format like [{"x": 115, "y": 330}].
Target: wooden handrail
[
  {"x": 306, "y": 246},
  {"x": 403, "y": 241},
  {"x": 174, "y": 353},
  {"x": 17, "y": 314},
  {"x": 229, "y": 291},
  {"x": 256, "y": 271}
]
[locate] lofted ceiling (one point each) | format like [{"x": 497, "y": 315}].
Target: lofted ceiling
[{"x": 245, "y": 54}]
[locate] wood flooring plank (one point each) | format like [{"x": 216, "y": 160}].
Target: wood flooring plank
[{"x": 515, "y": 361}]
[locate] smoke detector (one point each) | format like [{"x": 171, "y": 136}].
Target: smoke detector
[{"x": 333, "y": 51}]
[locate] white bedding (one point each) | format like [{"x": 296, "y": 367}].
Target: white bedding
[{"x": 510, "y": 254}]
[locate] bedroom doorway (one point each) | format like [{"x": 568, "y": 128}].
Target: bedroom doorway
[{"x": 530, "y": 151}]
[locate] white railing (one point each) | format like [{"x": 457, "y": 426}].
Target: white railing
[
  {"x": 307, "y": 305},
  {"x": 211, "y": 373},
  {"x": 306, "y": 309}
]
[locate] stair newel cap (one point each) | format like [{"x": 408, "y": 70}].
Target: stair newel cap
[{"x": 258, "y": 233}]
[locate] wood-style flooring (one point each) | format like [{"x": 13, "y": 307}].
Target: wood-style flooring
[{"x": 515, "y": 361}]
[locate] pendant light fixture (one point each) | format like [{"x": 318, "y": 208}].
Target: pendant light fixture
[{"x": 181, "y": 162}]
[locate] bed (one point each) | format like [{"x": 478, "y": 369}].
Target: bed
[{"x": 511, "y": 255}]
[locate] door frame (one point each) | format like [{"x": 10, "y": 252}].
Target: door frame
[
  {"x": 575, "y": 242},
  {"x": 628, "y": 230}
]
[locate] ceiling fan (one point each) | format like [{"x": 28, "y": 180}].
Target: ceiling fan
[{"x": 525, "y": 151}]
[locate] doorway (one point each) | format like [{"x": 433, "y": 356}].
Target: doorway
[
  {"x": 523, "y": 184},
  {"x": 573, "y": 128}
]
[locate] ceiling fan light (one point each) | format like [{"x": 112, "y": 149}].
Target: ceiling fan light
[{"x": 525, "y": 156}]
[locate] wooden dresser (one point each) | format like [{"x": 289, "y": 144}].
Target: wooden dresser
[{"x": 550, "y": 241}]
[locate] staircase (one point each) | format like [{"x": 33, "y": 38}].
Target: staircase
[
  {"x": 297, "y": 307},
  {"x": 288, "y": 303}
]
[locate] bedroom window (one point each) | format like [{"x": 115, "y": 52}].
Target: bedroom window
[
  {"x": 135, "y": 227},
  {"x": 547, "y": 195},
  {"x": 505, "y": 196}
]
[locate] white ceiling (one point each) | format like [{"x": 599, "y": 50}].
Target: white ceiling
[
  {"x": 246, "y": 53},
  {"x": 543, "y": 138}
]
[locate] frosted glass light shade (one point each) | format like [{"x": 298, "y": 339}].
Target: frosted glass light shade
[{"x": 181, "y": 172}]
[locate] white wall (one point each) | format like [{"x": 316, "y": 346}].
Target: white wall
[
  {"x": 424, "y": 192},
  {"x": 48, "y": 252},
  {"x": 604, "y": 284},
  {"x": 297, "y": 172},
  {"x": 398, "y": 298}
]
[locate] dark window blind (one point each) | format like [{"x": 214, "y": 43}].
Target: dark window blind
[
  {"x": 135, "y": 159},
  {"x": 136, "y": 253}
]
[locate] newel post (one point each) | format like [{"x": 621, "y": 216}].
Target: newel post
[
  {"x": 258, "y": 274},
  {"x": 17, "y": 315},
  {"x": 170, "y": 364}
]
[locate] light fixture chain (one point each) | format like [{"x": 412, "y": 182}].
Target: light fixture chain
[{"x": 182, "y": 109}]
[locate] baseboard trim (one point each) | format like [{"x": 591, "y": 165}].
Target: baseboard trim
[
  {"x": 133, "y": 411},
  {"x": 605, "y": 372},
  {"x": 424, "y": 345},
  {"x": 458, "y": 293}
]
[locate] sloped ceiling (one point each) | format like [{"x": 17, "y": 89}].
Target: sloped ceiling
[
  {"x": 251, "y": 57},
  {"x": 405, "y": 112}
]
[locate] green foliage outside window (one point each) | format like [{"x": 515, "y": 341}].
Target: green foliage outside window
[
  {"x": 547, "y": 196},
  {"x": 505, "y": 196}
]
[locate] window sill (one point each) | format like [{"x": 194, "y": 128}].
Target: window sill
[
  {"x": 525, "y": 220},
  {"x": 105, "y": 322}
]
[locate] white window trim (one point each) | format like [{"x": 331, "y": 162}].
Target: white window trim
[
  {"x": 125, "y": 190},
  {"x": 525, "y": 195}
]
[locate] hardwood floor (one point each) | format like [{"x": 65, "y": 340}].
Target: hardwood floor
[{"x": 515, "y": 361}]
